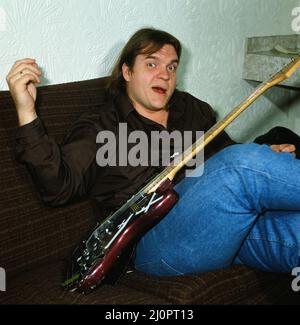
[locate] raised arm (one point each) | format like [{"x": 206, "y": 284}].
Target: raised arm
[
  {"x": 22, "y": 80},
  {"x": 61, "y": 172}
]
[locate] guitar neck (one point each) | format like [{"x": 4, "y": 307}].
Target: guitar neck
[{"x": 171, "y": 171}]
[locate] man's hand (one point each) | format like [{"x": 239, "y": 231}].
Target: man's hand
[
  {"x": 22, "y": 80},
  {"x": 284, "y": 148}
]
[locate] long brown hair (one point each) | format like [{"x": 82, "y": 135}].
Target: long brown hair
[{"x": 144, "y": 41}]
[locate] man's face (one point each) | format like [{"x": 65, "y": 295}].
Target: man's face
[{"x": 152, "y": 81}]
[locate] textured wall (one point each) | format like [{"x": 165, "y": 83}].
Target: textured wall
[{"x": 78, "y": 39}]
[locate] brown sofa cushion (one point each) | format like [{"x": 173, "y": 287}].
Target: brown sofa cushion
[
  {"x": 234, "y": 285},
  {"x": 43, "y": 286},
  {"x": 237, "y": 285}
]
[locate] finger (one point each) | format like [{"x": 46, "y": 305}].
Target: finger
[
  {"x": 287, "y": 148},
  {"x": 23, "y": 67},
  {"x": 25, "y": 79},
  {"x": 275, "y": 147},
  {"x": 26, "y": 60},
  {"x": 20, "y": 73},
  {"x": 21, "y": 64}
]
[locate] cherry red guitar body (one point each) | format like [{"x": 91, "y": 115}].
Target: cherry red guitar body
[{"x": 88, "y": 270}]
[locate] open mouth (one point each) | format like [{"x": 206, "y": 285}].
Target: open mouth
[{"x": 159, "y": 90}]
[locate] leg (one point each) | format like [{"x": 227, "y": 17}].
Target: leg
[
  {"x": 206, "y": 228},
  {"x": 273, "y": 243}
]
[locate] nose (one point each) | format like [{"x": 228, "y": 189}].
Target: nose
[{"x": 164, "y": 73}]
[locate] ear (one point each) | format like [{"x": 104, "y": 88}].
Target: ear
[{"x": 126, "y": 72}]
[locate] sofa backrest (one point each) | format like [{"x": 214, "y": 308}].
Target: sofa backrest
[{"x": 32, "y": 234}]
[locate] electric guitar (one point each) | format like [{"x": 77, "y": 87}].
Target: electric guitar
[{"x": 102, "y": 256}]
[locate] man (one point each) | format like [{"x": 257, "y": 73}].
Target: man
[{"x": 245, "y": 208}]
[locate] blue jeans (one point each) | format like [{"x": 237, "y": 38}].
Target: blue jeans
[{"x": 244, "y": 209}]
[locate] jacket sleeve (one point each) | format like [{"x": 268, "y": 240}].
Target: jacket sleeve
[{"x": 61, "y": 173}]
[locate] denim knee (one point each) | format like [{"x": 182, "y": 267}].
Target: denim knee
[{"x": 245, "y": 155}]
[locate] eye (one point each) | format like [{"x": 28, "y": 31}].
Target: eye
[
  {"x": 151, "y": 65},
  {"x": 172, "y": 67}
]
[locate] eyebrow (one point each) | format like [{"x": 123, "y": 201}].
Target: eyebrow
[{"x": 155, "y": 57}]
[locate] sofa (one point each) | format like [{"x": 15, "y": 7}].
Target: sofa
[{"x": 37, "y": 240}]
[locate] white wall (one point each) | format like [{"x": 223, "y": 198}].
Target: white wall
[{"x": 79, "y": 39}]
